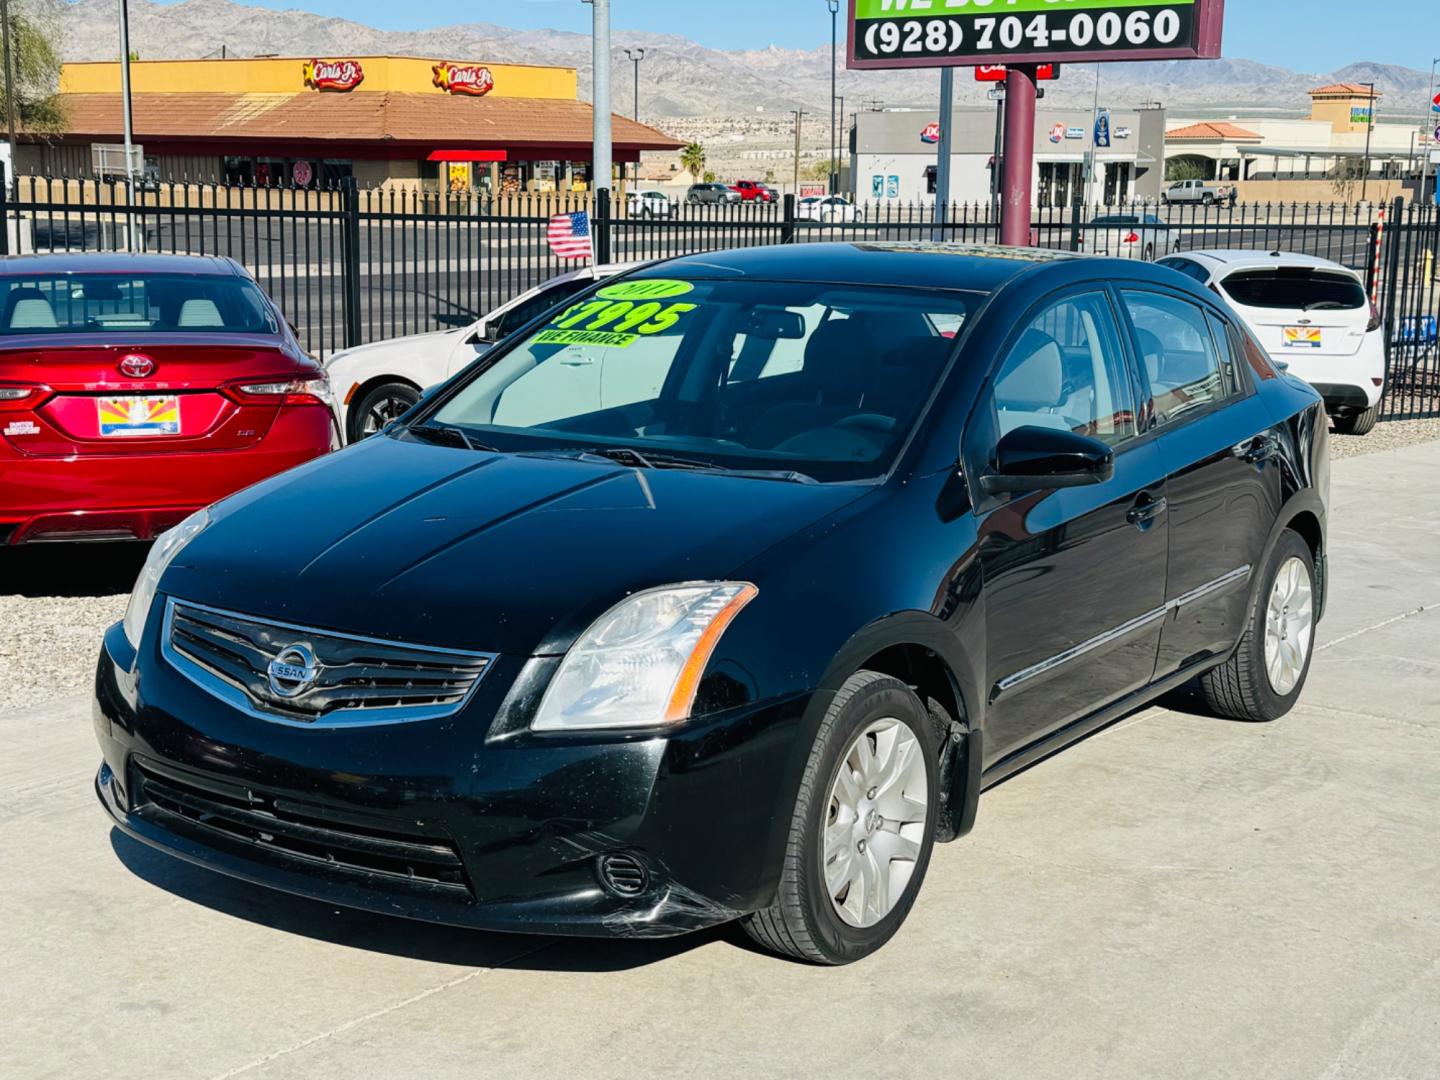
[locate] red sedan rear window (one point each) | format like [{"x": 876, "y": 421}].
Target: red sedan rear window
[{"x": 118, "y": 303}]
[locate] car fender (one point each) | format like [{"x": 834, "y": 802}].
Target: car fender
[{"x": 422, "y": 361}]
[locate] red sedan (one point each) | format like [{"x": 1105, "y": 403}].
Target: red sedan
[{"x": 135, "y": 389}]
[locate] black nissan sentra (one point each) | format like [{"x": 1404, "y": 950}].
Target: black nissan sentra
[{"x": 722, "y": 593}]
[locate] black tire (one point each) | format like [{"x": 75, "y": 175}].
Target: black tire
[
  {"x": 1207, "y": 200},
  {"x": 378, "y": 406},
  {"x": 1240, "y": 689},
  {"x": 1358, "y": 423},
  {"x": 1149, "y": 252},
  {"x": 802, "y": 921}
]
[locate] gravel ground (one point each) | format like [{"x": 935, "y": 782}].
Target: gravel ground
[
  {"x": 56, "y": 601},
  {"x": 1388, "y": 436}
]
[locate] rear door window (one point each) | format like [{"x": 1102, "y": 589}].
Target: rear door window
[
  {"x": 1180, "y": 358},
  {"x": 1295, "y": 288}
]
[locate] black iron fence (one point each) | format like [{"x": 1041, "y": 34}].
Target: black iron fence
[{"x": 350, "y": 265}]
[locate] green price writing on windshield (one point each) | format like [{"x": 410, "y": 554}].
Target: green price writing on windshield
[{"x": 623, "y": 316}]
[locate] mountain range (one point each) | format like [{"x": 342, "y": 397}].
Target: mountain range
[{"x": 681, "y": 78}]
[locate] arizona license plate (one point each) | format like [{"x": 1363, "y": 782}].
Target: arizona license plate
[
  {"x": 1301, "y": 337},
  {"x": 139, "y": 415}
]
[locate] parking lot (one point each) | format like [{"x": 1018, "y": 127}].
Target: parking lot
[{"x": 1177, "y": 896}]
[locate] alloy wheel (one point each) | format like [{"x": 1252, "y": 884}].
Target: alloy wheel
[
  {"x": 383, "y": 410},
  {"x": 1289, "y": 625},
  {"x": 876, "y": 820}
]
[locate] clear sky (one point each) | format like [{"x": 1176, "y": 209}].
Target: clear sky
[{"x": 1303, "y": 35}]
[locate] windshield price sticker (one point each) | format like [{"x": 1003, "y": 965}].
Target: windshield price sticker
[
  {"x": 615, "y": 324},
  {"x": 645, "y": 289},
  {"x": 901, "y": 32}
]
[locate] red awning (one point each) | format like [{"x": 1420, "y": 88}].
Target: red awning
[{"x": 467, "y": 155}]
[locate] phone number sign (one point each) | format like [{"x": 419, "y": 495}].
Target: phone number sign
[{"x": 936, "y": 33}]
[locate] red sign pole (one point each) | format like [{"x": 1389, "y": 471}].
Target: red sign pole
[{"x": 1019, "y": 154}]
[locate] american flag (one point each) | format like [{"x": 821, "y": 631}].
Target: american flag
[{"x": 569, "y": 236}]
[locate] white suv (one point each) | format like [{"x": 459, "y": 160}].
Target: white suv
[
  {"x": 374, "y": 384},
  {"x": 1312, "y": 315}
]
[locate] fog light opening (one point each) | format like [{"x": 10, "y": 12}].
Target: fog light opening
[{"x": 621, "y": 874}]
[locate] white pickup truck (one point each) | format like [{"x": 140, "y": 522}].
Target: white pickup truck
[{"x": 1204, "y": 192}]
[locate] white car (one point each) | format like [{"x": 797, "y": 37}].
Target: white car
[
  {"x": 1311, "y": 315},
  {"x": 373, "y": 384},
  {"x": 651, "y": 204},
  {"x": 1128, "y": 236},
  {"x": 827, "y": 209}
]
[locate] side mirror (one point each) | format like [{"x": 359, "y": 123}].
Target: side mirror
[{"x": 1039, "y": 459}]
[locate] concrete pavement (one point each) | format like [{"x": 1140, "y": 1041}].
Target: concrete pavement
[{"x": 1178, "y": 896}]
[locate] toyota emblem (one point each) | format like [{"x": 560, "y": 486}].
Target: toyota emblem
[{"x": 136, "y": 366}]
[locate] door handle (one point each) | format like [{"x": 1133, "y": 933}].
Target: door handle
[
  {"x": 1146, "y": 510},
  {"x": 1256, "y": 450}
]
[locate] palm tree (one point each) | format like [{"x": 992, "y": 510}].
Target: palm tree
[{"x": 693, "y": 159}]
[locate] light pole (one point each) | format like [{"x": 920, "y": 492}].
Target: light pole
[
  {"x": 1369, "y": 127},
  {"x": 602, "y": 155},
  {"x": 834, "y": 6},
  {"x": 799, "y": 115},
  {"x": 840, "y": 149},
  {"x": 635, "y": 56},
  {"x": 9, "y": 81},
  {"x": 1432, "y": 118}
]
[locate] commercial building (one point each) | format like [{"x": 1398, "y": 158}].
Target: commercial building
[
  {"x": 307, "y": 121},
  {"x": 893, "y": 155},
  {"x": 1319, "y": 157}
]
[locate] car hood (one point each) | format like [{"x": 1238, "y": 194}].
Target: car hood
[{"x": 439, "y": 546}]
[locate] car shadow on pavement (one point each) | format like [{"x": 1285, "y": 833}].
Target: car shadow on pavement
[
  {"x": 390, "y": 934},
  {"x": 70, "y": 570}
]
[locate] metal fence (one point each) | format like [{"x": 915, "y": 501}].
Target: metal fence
[{"x": 351, "y": 265}]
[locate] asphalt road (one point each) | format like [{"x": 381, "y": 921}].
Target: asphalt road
[
  {"x": 420, "y": 273},
  {"x": 1177, "y": 896}
]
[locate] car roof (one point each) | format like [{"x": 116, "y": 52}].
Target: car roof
[
  {"x": 914, "y": 264},
  {"x": 117, "y": 262},
  {"x": 1221, "y": 260}
]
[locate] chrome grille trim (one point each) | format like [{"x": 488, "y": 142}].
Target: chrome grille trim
[{"x": 361, "y": 681}]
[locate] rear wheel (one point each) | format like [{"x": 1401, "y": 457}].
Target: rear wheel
[
  {"x": 863, "y": 827},
  {"x": 1149, "y": 252},
  {"x": 378, "y": 406},
  {"x": 1264, "y": 678},
  {"x": 1358, "y": 423}
]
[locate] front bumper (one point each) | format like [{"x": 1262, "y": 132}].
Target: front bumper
[{"x": 506, "y": 834}]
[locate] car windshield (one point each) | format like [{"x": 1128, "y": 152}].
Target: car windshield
[
  {"x": 117, "y": 303},
  {"x": 820, "y": 380},
  {"x": 1296, "y": 287}
]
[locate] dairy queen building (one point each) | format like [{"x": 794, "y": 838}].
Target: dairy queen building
[{"x": 893, "y": 155}]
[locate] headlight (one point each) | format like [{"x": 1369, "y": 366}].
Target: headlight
[
  {"x": 640, "y": 663},
  {"x": 167, "y": 545}
]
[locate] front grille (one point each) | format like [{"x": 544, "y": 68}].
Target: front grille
[
  {"x": 208, "y": 808},
  {"x": 316, "y": 677}
]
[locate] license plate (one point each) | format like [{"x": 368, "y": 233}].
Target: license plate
[
  {"x": 139, "y": 415},
  {"x": 1301, "y": 337}
]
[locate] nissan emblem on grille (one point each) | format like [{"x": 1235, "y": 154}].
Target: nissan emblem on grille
[
  {"x": 136, "y": 366},
  {"x": 293, "y": 671}
]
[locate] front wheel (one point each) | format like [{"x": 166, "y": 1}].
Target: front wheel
[
  {"x": 1264, "y": 678},
  {"x": 378, "y": 406},
  {"x": 863, "y": 827},
  {"x": 1358, "y": 423}
]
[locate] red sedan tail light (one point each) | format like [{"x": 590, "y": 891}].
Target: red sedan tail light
[
  {"x": 314, "y": 391},
  {"x": 21, "y": 398}
]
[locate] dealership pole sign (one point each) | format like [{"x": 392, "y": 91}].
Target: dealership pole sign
[{"x": 937, "y": 33}]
